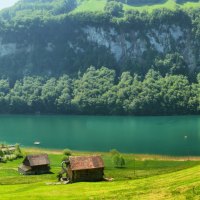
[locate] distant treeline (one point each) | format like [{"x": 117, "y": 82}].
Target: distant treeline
[{"x": 100, "y": 91}]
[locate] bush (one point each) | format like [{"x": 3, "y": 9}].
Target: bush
[
  {"x": 10, "y": 157},
  {"x": 114, "y": 152},
  {"x": 18, "y": 152},
  {"x": 119, "y": 161},
  {"x": 59, "y": 176},
  {"x": 114, "y": 8},
  {"x": 67, "y": 152},
  {"x": 4, "y": 159},
  {"x": 65, "y": 158},
  {"x": 1, "y": 153}
]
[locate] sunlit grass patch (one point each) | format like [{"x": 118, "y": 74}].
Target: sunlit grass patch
[
  {"x": 98, "y": 5},
  {"x": 90, "y": 6}
]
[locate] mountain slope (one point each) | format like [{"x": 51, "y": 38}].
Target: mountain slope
[{"x": 52, "y": 37}]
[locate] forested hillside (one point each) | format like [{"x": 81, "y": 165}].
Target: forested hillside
[{"x": 150, "y": 48}]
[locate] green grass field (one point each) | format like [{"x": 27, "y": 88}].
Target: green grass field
[
  {"x": 149, "y": 177},
  {"x": 98, "y": 5}
]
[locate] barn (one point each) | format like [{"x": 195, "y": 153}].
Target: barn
[
  {"x": 85, "y": 168},
  {"x": 35, "y": 164}
]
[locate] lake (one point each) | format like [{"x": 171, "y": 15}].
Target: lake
[{"x": 152, "y": 135}]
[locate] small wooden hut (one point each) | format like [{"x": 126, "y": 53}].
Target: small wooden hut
[
  {"x": 35, "y": 164},
  {"x": 85, "y": 168}
]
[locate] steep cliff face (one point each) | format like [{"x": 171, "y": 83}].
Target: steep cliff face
[
  {"x": 69, "y": 48},
  {"x": 133, "y": 44}
]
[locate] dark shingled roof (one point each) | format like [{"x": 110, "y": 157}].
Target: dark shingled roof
[
  {"x": 38, "y": 160},
  {"x": 85, "y": 162}
]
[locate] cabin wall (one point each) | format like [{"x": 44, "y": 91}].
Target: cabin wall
[
  {"x": 35, "y": 170},
  {"x": 87, "y": 175},
  {"x": 21, "y": 171},
  {"x": 40, "y": 169},
  {"x": 70, "y": 174}
]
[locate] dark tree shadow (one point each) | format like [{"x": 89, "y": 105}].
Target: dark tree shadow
[
  {"x": 185, "y": 1},
  {"x": 143, "y": 2}
]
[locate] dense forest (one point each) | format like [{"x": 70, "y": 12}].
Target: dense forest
[
  {"x": 152, "y": 57},
  {"x": 100, "y": 91}
]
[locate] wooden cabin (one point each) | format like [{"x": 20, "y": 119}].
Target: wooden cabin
[
  {"x": 35, "y": 164},
  {"x": 85, "y": 168}
]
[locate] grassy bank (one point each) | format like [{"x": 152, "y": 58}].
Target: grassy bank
[
  {"x": 98, "y": 5},
  {"x": 144, "y": 177}
]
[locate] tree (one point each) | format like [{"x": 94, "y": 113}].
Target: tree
[
  {"x": 64, "y": 6},
  {"x": 119, "y": 161},
  {"x": 114, "y": 8},
  {"x": 18, "y": 152},
  {"x": 67, "y": 153},
  {"x": 150, "y": 96},
  {"x": 26, "y": 95},
  {"x": 114, "y": 152},
  {"x": 196, "y": 90},
  {"x": 63, "y": 100},
  {"x": 90, "y": 89},
  {"x": 175, "y": 92},
  {"x": 173, "y": 64},
  {"x": 49, "y": 95},
  {"x": 4, "y": 91},
  {"x": 194, "y": 99}
]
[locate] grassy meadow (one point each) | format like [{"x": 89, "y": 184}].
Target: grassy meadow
[
  {"x": 143, "y": 177},
  {"x": 98, "y": 5}
]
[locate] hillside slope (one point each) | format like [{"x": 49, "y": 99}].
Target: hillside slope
[
  {"x": 181, "y": 184},
  {"x": 178, "y": 185},
  {"x": 141, "y": 5},
  {"x": 153, "y": 54}
]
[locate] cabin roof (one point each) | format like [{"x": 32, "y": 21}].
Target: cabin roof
[
  {"x": 38, "y": 160},
  {"x": 25, "y": 168},
  {"x": 85, "y": 162}
]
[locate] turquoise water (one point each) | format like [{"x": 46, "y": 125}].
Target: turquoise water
[{"x": 153, "y": 135}]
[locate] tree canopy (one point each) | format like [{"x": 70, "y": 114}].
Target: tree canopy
[{"x": 101, "y": 91}]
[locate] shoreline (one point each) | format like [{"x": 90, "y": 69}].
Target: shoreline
[
  {"x": 97, "y": 115},
  {"x": 136, "y": 156}
]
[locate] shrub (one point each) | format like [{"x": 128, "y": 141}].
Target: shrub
[
  {"x": 4, "y": 159},
  {"x": 114, "y": 8},
  {"x": 59, "y": 176},
  {"x": 65, "y": 158},
  {"x": 18, "y": 152},
  {"x": 114, "y": 152},
  {"x": 1, "y": 153},
  {"x": 119, "y": 161},
  {"x": 10, "y": 157},
  {"x": 67, "y": 152}
]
